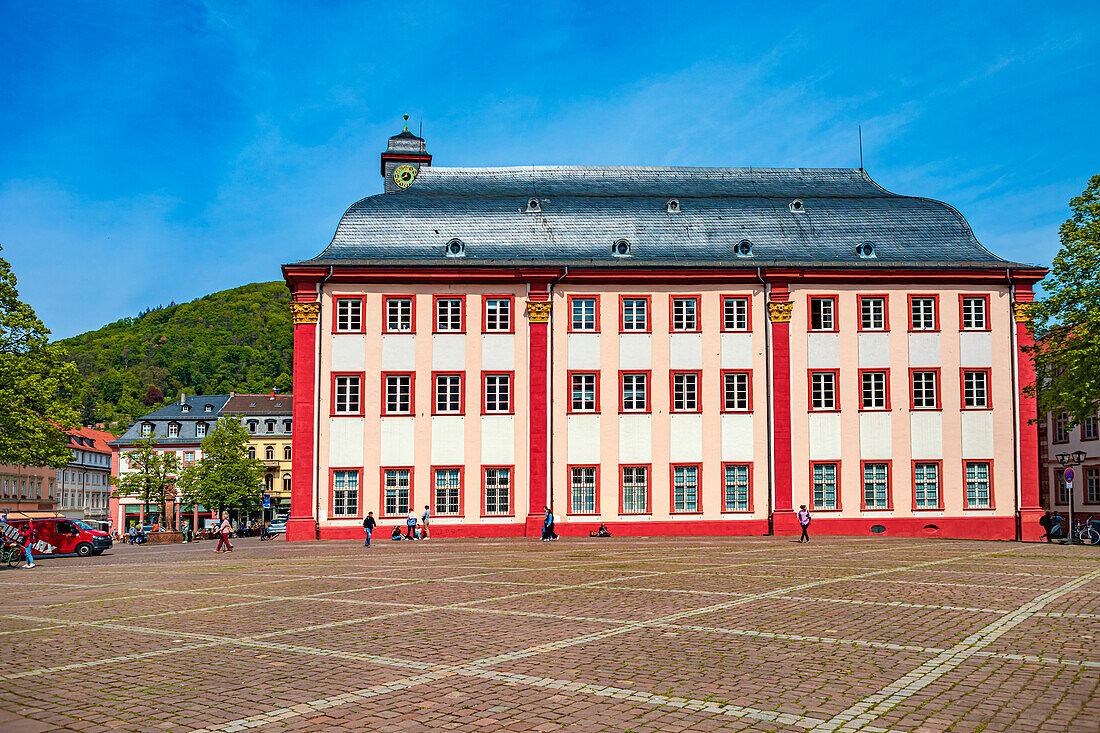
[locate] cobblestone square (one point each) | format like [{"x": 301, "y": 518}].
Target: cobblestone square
[{"x": 620, "y": 634}]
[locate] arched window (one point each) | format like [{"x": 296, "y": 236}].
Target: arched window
[
  {"x": 269, "y": 482},
  {"x": 252, "y": 453},
  {"x": 286, "y": 453},
  {"x": 269, "y": 453},
  {"x": 286, "y": 482}
]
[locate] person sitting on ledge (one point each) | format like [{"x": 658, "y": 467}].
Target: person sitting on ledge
[
  {"x": 603, "y": 531},
  {"x": 396, "y": 534}
]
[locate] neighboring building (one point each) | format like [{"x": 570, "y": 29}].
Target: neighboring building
[
  {"x": 84, "y": 485},
  {"x": 1056, "y": 436},
  {"x": 268, "y": 420},
  {"x": 665, "y": 350},
  {"x": 27, "y": 489}
]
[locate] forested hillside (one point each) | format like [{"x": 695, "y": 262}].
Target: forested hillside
[{"x": 238, "y": 340}]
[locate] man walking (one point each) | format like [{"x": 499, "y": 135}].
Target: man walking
[
  {"x": 410, "y": 525},
  {"x": 368, "y": 526},
  {"x": 804, "y": 520},
  {"x": 424, "y": 519},
  {"x": 29, "y": 538},
  {"x": 223, "y": 534}
]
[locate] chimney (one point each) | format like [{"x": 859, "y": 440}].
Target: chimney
[
  {"x": 272, "y": 393},
  {"x": 232, "y": 395},
  {"x": 183, "y": 398}
]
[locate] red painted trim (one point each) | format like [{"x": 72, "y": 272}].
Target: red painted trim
[
  {"x": 748, "y": 313},
  {"x": 461, "y": 297},
  {"x": 885, "y": 297},
  {"x": 461, "y": 391},
  {"x": 980, "y": 296},
  {"x": 722, "y": 377},
  {"x": 781, "y": 408},
  {"x": 979, "y": 528},
  {"x": 511, "y": 392},
  {"x": 672, "y": 488},
  {"x": 935, "y": 312},
  {"x": 412, "y": 393},
  {"x": 810, "y": 313},
  {"x": 992, "y": 495},
  {"x": 332, "y": 394},
  {"x": 672, "y": 391},
  {"x": 648, "y": 374},
  {"x": 863, "y": 407},
  {"x": 511, "y": 312},
  {"x": 672, "y": 298},
  {"x": 988, "y": 388},
  {"x": 569, "y": 384},
  {"x": 421, "y": 158},
  {"x": 939, "y": 389},
  {"x": 336, "y": 298},
  {"x": 332, "y": 492},
  {"x": 648, "y": 313},
  {"x": 839, "y": 484},
  {"x": 752, "y": 486},
  {"x": 596, "y": 306},
  {"x": 538, "y": 408},
  {"x": 648, "y": 489},
  {"x": 386, "y": 313},
  {"x": 511, "y": 490},
  {"x": 382, "y": 491},
  {"x": 939, "y": 488},
  {"x": 569, "y": 493},
  {"x": 461, "y": 491},
  {"x": 810, "y": 390},
  {"x": 889, "y": 486}
]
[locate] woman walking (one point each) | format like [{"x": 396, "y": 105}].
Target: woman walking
[
  {"x": 804, "y": 520},
  {"x": 223, "y": 534}
]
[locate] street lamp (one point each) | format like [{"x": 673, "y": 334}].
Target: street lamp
[{"x": 1068, "y": 460}]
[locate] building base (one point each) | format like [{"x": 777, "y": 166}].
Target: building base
[
  {"x": 301, "y": 528},
  {"x": 1030, "y": 531},
  {"x": 960, "y": 528}
]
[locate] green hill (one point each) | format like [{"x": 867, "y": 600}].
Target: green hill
[{"x": 238, "y": 340}]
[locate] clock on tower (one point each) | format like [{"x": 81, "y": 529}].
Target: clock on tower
[{"x": 404, "y": 156}]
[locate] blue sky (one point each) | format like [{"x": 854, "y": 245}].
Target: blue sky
[{"x": 152, "y": 152}]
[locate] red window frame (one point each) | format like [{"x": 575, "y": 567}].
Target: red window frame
[
  {"x": 511, "y": 313},
  {"x": 862, "y": 408},
  {"x": 622, "y": 392},
  {"x": 511, "y": 490},
  {"x": 885, "y": 297},
  {"x": 722, "y": 376},
  {"x": 698, "y": 488},
  {"x": 726, "y": 509},
  {"x": 810, "y": 313},
  {"x": 332, "y": 394},
  {"x": 672, "y": 392},
  {"x": 412, "y": 393},
  {"x": 332, "y": 492},
  {"x": 511, "y": 374},
  {"x": 1054, "y": 419},
  {"x": 461, "y": 391},
  {"x": 1095, "y": 436},
  {"x": 939, "y": 390},
  {"x": 913, "y": 484},
  {"x": 336, "y": 298},
  {"x": 569, "y": 489},
  {"x": 810, "y": 390},
  {"x": 672, "y": 298},
  {"x": 988, "y": 388},
  {"x": 461, "y": 491},
  {"x": 648, "y": 313},
  {"x": 582, "y": 296},
  {"x": 382, "y": 490},
  {"x": 976, "y": 296},
  {"x": 992, "y": 493},
  {"x": 935, "y": 312},
  {"x": 1085, "y": 484},
  {"x": 648, "y": 489},
  {"x": 386, "y": 313},
  {"x": 889, "y": 486},
  {"x": 569, "y": 385},
  {"x": 748, "y": 313},
  {"x": 461, "y": 312},
  {"x": 839, "y": 484}
]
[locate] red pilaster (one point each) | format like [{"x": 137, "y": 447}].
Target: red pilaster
[
  {"x": 538, "y": 410},
  {"x": 302, "y": 523},
  {"x": 1030, "y": 508},
  {"x": 784, "y": 520}
]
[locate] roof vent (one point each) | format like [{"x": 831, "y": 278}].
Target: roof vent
[
  {"x": 455, "y": 248},
  {"x": 533, "y": 206},
  {"x": 866, "y": 251},
  {"x": 674, "y": 206},
  {"x": 743, "y": 248},
  {"x": 621, "y": 248},
  {"x": 797, "y": 207}
]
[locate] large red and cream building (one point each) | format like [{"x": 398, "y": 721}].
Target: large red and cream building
[{"x": 663, "y": 350}]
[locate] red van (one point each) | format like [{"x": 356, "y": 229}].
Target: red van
[{"x": 59, "y": 536}]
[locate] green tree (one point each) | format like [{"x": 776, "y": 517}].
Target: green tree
[
  {"x": 1066, "y": 321},
  {"x": 225, "y": 476},
  {"x": 39, "y": 389},
  {"x": 152, "y": 477}
]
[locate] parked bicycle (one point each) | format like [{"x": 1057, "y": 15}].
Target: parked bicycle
[
  {"x": 1087, "y": 533},
  {"x": 13, "y": 555}
]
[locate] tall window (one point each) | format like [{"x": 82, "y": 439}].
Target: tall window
[
  {"x": 252, "y": 424},
  {"x": 685, "y": 488},
  {"x": 498, "y": 393},
  {"x": 498, "y": 314},
  {"x": 736, "y": 488},
  {"x": 345, "y": 493},
  {"x": 925, "y": 395},
  {"x": 976, "y": 389},
  {"x": 188, "y": 457},
  {"x": 498, "y": 490},
  {"x": 876, "y": 485},
  {"x": 584, "y": 314},
  {"x": 926, "y": 485},
  {"x": 200, "y": 430},
  {"x": 635, "y": 489},
  {"x": 286, "y": 452},
  {"x": 269, "y": 453},
  {"x": 735, "y": 391},
  {"x": 448, "y": 394},
  {"x": 582, "y": 490},
  {"x": 735, "y": 314},
  {"x": 347, "y": 396},
  {"x": 823, "y": 391},
  {"x": 286, "y": 425},
  {"x": 447, "y": 490},
  {"x": 635, "y": 314},
  {"x": 685, "y": 392},
  {"x": 824, "y": 485},
  {"x": 872, "y": 313},
  {"x": 398, "y": 394},
  {"x": 1092, "y": 485},
  {"x": 395, "y": 491},
  {"x": 973, "y": 314},
  {"x": 583, "y": 389},
  {"x": 349, "y": 315},
  {"x": 685, "y": 315},
  {"x": 399, "y": 317},
  {"x": 873, "y": 391},
  {"x": 822, "y": 314},
  {"x": 286, "y": 483},
  {"x": 1063, "y": 490},
  {"x": 977, "y": 485},
  {"x": 635, "y": 392},
  {"x": 922, "y": 314},
  {"x": 1061, "y": 428},
  {"x": 270, "y": 425},
  {"x": 1088, "y": 428},
  {"x": 448, "y": 314}
]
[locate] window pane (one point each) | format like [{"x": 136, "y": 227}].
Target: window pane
[
  {"x": 875, "y": 485},
  {"x": 447, "y": 490},
  {"x": 684, "y": 314},
  {"x": 685, "y": 392},
  {"x": 345, "y": 493},
  {"x": 737, "y": 488},
  {"x": 685, "y": 489},
  {"x": 874, "y": 390},
  {"x": 398, "y": 314},
  {"x": 448, "y": 393},
  {"x": 825, "y": 486},
  {"x": 497, "y": 490},
  {"x": 973, "y": 313},
  {"x": 634, "y": 314},
  {"x": 349, "y": 314},
  {"x": 497, "y": 392},
  {"x": 821, "y": 314},
  {"x": 396, "y": 491},
  {"x": 584, "y": 392},
  {"x": 583, "y": 490},
  {"x": 872, "y": 314},
  {"x": 635, "y": 490},
  {"x": 735, "y": 314},
  {"x": 634, "y": 392},
  {"x": 923, "y": 314},
  {"x": 448, "y": 316},
  {"x": 584, "y": 314},
  {"x": 975, "y": 393},
  {"x": 498, "y": 316},
  {"x": 977, "y": 485},
  {"x": 823, "y": 390},
  {"x": 736, "y": 390},
  {"x": 926, "y": 485}
]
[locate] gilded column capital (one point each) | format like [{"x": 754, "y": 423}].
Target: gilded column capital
[
  {"x": 1021, "y": 312},
  {"x": 307, "y": 313},
  {"x": 538, "y": 312},
  {"x": 780, "y": 311}
]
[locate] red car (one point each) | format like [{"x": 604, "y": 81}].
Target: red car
[{"x": 58, "y": 536}]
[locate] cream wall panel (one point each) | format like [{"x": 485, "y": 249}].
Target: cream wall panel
[
  {"x": 635, "y": 439},
  {"x": 977, "y": 434},
  {"x": 874, "y": 350},
  {"x": 583, "y": 350},
  {"x": 924, "y": 349},
  {"x": 635, "y": 351},
  {"x": 397, "y": 441},
  {"x": 398, "y": 352},
  {"x": 583, "y": 438},
  {"x": 345, "y": 441},
  {"x": 737, "y": 351},
  {"x": 349, "y": 353},
  {"x": 449, "y": 351},
  {"x": 737, "y": 442},
  {"x": 875, "y": 436},
  {"x": 685, "y": 351},
  {"x": 685, "y": 438},
  {"x": 448, "y": 439},
  {"x": 498, "y": 352},
  {"x": 824, "y": 436},
  {"x": 823, "y": 350},
  {"x": 926, "y": 435},
  {"x": 498, "y": 440},
  {"x": 976, "y": 349}
]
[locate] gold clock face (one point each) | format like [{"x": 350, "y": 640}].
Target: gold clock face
[{"x": 404, "y": 175}]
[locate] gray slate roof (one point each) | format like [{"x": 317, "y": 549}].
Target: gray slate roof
[
  {"x": 584, "y": 210},
  {"x": 174, "y": 413}
]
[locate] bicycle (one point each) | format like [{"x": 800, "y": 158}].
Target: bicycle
[
  {"x": 13, "y": 555},
  {"x": 1087, "y": 534}
]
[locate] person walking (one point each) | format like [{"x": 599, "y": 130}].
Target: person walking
[
  {"x": 223, "y": 534},
  {"x": 804, "y": 520},
  {"x": 368, "y": 526},
  {"x": 424, "y": 520},
  {"x": 410, "y": 523},
  {"x": 30, "y": 536},
  {"x": 1044, "y": 522},
  {"x": 133, "y": 533},
  {"x": 548, "y": 532}
]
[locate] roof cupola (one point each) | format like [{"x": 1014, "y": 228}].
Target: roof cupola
[{"x": 404, "y": 156}]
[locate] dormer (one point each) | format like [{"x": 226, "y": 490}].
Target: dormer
[
  {"x": 147, "y": 429},
  {"x": 207, "y": 408},
  {"x": 185, "y": 408}
]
